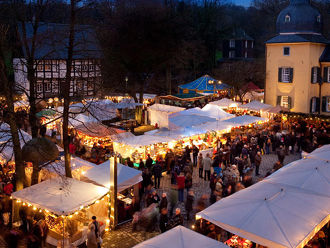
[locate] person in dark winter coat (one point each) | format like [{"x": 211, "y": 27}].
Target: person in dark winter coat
[
  {"x": 163, "y": 220},
  {"x": 149, "y": 162},
  {"x": 157, "y": 171},
  {"x": 257, "y": 162},
  {"x": 177, "y": 219},
  {"x": 189, "y": 203},
  {"x": 163, "y": 202}
]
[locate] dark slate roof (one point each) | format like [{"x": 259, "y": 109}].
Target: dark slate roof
[
  {"x": 303, "y": 18},
  {"x": 52, "y": 41},
  {"x": 325, "y": 57},
  {"x": 240, "y": 34},
  {"x": 293, "y": 38}
]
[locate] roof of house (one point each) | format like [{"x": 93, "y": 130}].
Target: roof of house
[
  {"x": 293, "y": 38},
  {"x": 240, "y": 34},
  {"x": 325, "y": 57},
  {"x": 52, "y": 41},
  {"x": 303, "y": 18}
]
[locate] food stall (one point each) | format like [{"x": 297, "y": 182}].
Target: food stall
[
  {"x": 95, "y": 132},
  {"x": 67, "y": 205}
]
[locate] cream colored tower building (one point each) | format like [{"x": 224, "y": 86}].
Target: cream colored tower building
[{"x": 298, "y": 61}]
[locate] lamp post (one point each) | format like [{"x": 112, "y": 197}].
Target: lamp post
[
  {"x": 214, "y": 83},
  {"x": 126, "y": 80},
  {"x": 113, "y": 193}
]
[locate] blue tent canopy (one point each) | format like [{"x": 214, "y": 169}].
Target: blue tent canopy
[{"x": 203, "y": 84}]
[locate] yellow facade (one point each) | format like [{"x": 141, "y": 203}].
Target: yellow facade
[{"x": 303, "y": 56}]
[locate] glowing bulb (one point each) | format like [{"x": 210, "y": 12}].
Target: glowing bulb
[
  {"x": 23, "y": 203},
  {"x": 108, "y": 221},
  {"x": 97, "y": 202},
  {"x": 34, "y": 208}
]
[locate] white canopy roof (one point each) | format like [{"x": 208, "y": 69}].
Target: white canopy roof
[
  {"x": 6, "y": 144},
  {"x": 284, "y": 210},
  {"x": 255, "y": 106},
  {"x": 144, "y": 140},
  {"x": 100, "y": 175},
  {"x": 61, "y": 196},
  {"x": 184, "y": 121},
  {"x": 76, "y": 163},
  {"x": 81, "y": 119},
  {"x": 322, "y": 153},
  {"x": 214, "y": 111},
  {"x": 244, "y": 120},
  {"x": 309, "y": 174},
  {"x": 191, "y": 111},
  {"x": 165, "y": 108},
  {"x": 181, "y": 237},
  {"x": 225, "y": 103}
]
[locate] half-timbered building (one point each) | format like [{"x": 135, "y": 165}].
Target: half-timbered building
[{"x": 51, "y": 57}]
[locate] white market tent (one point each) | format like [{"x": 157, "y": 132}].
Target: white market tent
[
  {"x": 309, "y": 174},
  {"x": 6, "y": 144},
  {"x": 100, "y": 175},
  {"x": 253, "y": 95},
  {"x": 255, "y": 106},
  {"x": 159, "y": 114},
  {"x": 61, "y": 196},
  {"x": 81, "y": 119},
  {"x": 271, "y": 214},
  {"x": 191, "y": 111},
  {"x": 144, "y": 140},
  {"x": 244, "y": 120},
  {"x": 214, "y": 111},
  {"x": 181, "y": 237},
  {"x": 185, "y": 121},
  {"x": 225, "y": 103},
  {"x": 322, "y": 153}
]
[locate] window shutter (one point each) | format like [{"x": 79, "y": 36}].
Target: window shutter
[
  {"x": 278, "y": 102},
  {"x": 311, "y": 105},
  {"x": 291, "y": 74},
  {"x": 290, "y": 102},
  {"x": 317, "y": 109},
  {"x": 324, "y": 104},
  {"x": 325, "y": 74},
  {"x": 312, "y": 75},
  {"x": 318, "y": 74},
  {"x": 280, "y": 74}
]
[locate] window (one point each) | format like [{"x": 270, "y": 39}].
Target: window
[
  {"x": 315, "y": 75},
  {"x": 287, "y": 18},
  {"x": 326, "y": 104},
  {"x": 84, "y": 67},
  {"x": 39, "y": 87},
  {"x": 232, "y": 43},
  {"x": 246, "y": 44},
  {"x": 286, "y": 51},
  {"x": 285, "y": 74},
  {"x": 91, "y": 67},
  {"x": 246, "y": 54},
  {"x": 48, "y": 86},
  {"x": 284, "y": 101},
  {"x": 231, "y": 54},
  {"x": 252, "y": 44},
  {"x": 318, "y": 18},
  {"x": 328, "y": 75},
  {"x": 315, "y": 104}
]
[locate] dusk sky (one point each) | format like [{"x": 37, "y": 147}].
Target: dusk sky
[{"x": 245, "y": 3}]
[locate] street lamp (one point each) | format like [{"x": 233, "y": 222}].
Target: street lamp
[
  {"x": 214, "y": 83},
  {"x": 126, "y": 80}
]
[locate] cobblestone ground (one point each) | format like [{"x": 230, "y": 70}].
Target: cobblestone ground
[{"x": 125, "y": 238}]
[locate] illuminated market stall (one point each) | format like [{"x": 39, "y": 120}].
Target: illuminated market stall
[
  {"x": 158, "y": 114},
  {"x": 68, "y": 206},
  {"x": 225, "y": 103},
  {"x": 263, "y": 213}
]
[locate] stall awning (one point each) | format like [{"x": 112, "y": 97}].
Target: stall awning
[
  {"x": 95, "y": 129},
  {"x": 255, "y": 106},
  {"x": 244, "y": 120},
  {"x": 100, "y": 175},
  {"x": 61, "y": 196},
  {"x": 181, "y": 237},
  {"x": 225, "y": 103},
  {"x": 144, "y": 140}
]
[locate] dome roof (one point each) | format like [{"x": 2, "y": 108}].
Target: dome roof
[{"x": 299, "y": 17}]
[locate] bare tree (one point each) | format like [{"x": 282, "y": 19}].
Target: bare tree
[{"x": 8, "y": 89}]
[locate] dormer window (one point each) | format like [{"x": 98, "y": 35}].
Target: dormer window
[
  {"x": 287, "y": 18},
  {"x": 318, "y": 18}
]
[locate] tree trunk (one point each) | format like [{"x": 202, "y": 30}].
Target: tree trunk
[
  {"x": 32, "y": 98},
  {"x": 19, "y": 163},
  {"x": 35, "y": 173},
  {"x": 66, "y": 92}
]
